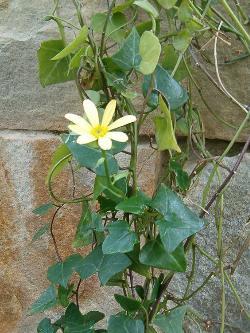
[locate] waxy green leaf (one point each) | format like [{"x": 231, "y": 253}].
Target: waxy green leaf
[
  {"x": 162, "y": 82},
  {"x": 167, "y": 4},
  {"x": 74, "y": 45},
  {"x": 61, "y": 272},
  {"x": 121, "y": 238},
  {"x": 51, "y": 71},
  {"x": 182, "y": 179},
  {"x": 170, "y": 58},
  {"x": 128, "y": 56},
  {"x": 147, "y": 6},
  {"x": 164, "y": 132},
  {"x": 154, "y": 254},
  {"x": 46, "y": 300},
  {"x": 135, "y": 204},
  {"x": 182, "y": 40},
  {"x": 106, "y": 265},
  {"x": 150, "y": 50},
  {"x": 123, "y": 324},
  {"x": 177, "y": 214},
  {"x": 84, "y": 232},
  {"x": 173, "y": 321},
  {"x": 127, "y": 303},
  {"x": 45, "y": 326}
]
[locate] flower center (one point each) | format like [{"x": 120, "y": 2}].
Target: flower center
[{"x": 99, "y": 131}]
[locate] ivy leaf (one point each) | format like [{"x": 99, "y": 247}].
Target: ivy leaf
[
  {"x": 128, "y": 56},
  {"x": 61, "y": 272},
  {"x": 46, "y": 300},
  {"x": 90, "y": 157},
  {"x": 43, "y": 209},
  {"x": 45, "y": 326},
  {"x": 50, "y": 71},
  {"x": 184, "y": 11},
  {"x": 154, "y": 254},
  {"x": 164, "y": 132},
  {"x": 136, "y": 265},
  {"x": 40, "y": 232},
  {"x": 127, "y": 303},
  {"x": 120, "y": 239},
  {"x": 114, "y": 28},
  {"x": 106, "y": 265},
  {"x": 173, "y": 321},
  {"x": 60, "y": 152},
  {"x": 123, "y": 324},
  {"x": 75, "y": 44},
  {"x": 146, "y": 5},
  {"x": 182, "y": 178},
  {"x": 170, "y": 205},
  {"x": 167, "y": 4},
  {"x": 64, "y": 294},
  {"x": 150, "y": 50},
  {"x": 74, "y": 321},
  {"x": 182, "y": 40},
  {"x": 135, "y": 204},
  {"x": 162, "y": 82}
]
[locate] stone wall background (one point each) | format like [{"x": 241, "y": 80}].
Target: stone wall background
[{"x": 31, "y": 119}]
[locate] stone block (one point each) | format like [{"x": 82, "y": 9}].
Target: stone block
[{"x": 25, "y": 158}]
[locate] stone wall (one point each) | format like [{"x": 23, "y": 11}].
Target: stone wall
[{"x": 31, "y": 119}]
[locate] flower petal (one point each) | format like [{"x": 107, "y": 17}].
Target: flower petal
[
  {"x": 77, "y": 129},
  {"x": 91, "y": 112},
  {"x": 85, "y": 138},
  {"x": 109, "y": 112},
  {"x": 80, "y": 121},
  {"x": 117, "y": 136},
  {"x": 122, "y": 121},
  {"x": 105, "y": 143}
]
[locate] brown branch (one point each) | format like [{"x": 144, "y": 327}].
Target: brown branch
[{"x": 59, "y": 258}]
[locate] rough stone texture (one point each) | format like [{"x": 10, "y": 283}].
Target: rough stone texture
[
  {"x": 24, "y": 104},
  {"x": 235, "y": 231},
  {"x": 25, "y": 158}
]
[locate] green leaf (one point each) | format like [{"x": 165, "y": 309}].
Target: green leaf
[
  {"x": 45, "y": 326},
  {"x": 136, "y": 266},
  {"x": 64, "y": 294},
  {"x": 123, "y": 324},
  {"x": 40, "y": 232},
  {"x": 173, "y": 321},
  {"x": 183, "y": 220},
  {"x": 43, "y": 209},
  {"x": 120, "y": 239},
  {"x": 135, "y": 204},
  {"x": 164, "y": 132},
  {"x": 182, "y": 40},
  {"x": 123, "y": 6},
  {"x": 147, "y": 26},
  {"x": 150, "y": 50},
  {"x": 90, "y": 157},
  {"x": 50, "y": 71},
  {"x": 106, "y": 265},
  {"x": 167, "y": 4},
  {"x": 46, "y": 300},
  {"x": 61, "y": 272},
  {"x": 114, "y": 28},
  {"x": 154, "y": 254},
  {"x": 182, "y": 179},
  {"x": 60, "y": 152},
  {"x": 75, "y": 61},
  {"x": 75, "y": 322},
  {"x": 84, "y": 232},
  {"x": 75, "y": 44},
  {"x": 128, "y": 56},
  {"x": 162, "y": 82},
  {"x": 170, "y": 58},
  {"x": 184, "y": 11},
  {"x": 146, "y": 5},
  {"x": 127, "y": 303}
]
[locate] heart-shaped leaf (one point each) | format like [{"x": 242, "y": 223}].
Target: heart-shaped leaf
[
  {"x": 150, "y": 50},
  {"x": 173, "y": 321},
  {"x": 123, "y": 324}
]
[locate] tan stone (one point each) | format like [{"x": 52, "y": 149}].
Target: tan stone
[{"x": 25, "y": 158}]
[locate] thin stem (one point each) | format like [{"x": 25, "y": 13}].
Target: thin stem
[
  {"x": 105, "y": 27},
  {"x": 59, "y": 258}
]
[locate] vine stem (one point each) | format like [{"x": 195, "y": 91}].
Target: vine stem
[
  {"x": 59, "y": 258},
  {"x": 105, "y": 27},
  {"x": 235, "y": 20}
]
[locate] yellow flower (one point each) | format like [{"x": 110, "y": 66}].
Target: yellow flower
[{"x": 93, "y": 129}]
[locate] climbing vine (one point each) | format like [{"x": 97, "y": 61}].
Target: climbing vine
[{"x": 133, "y": 63}]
